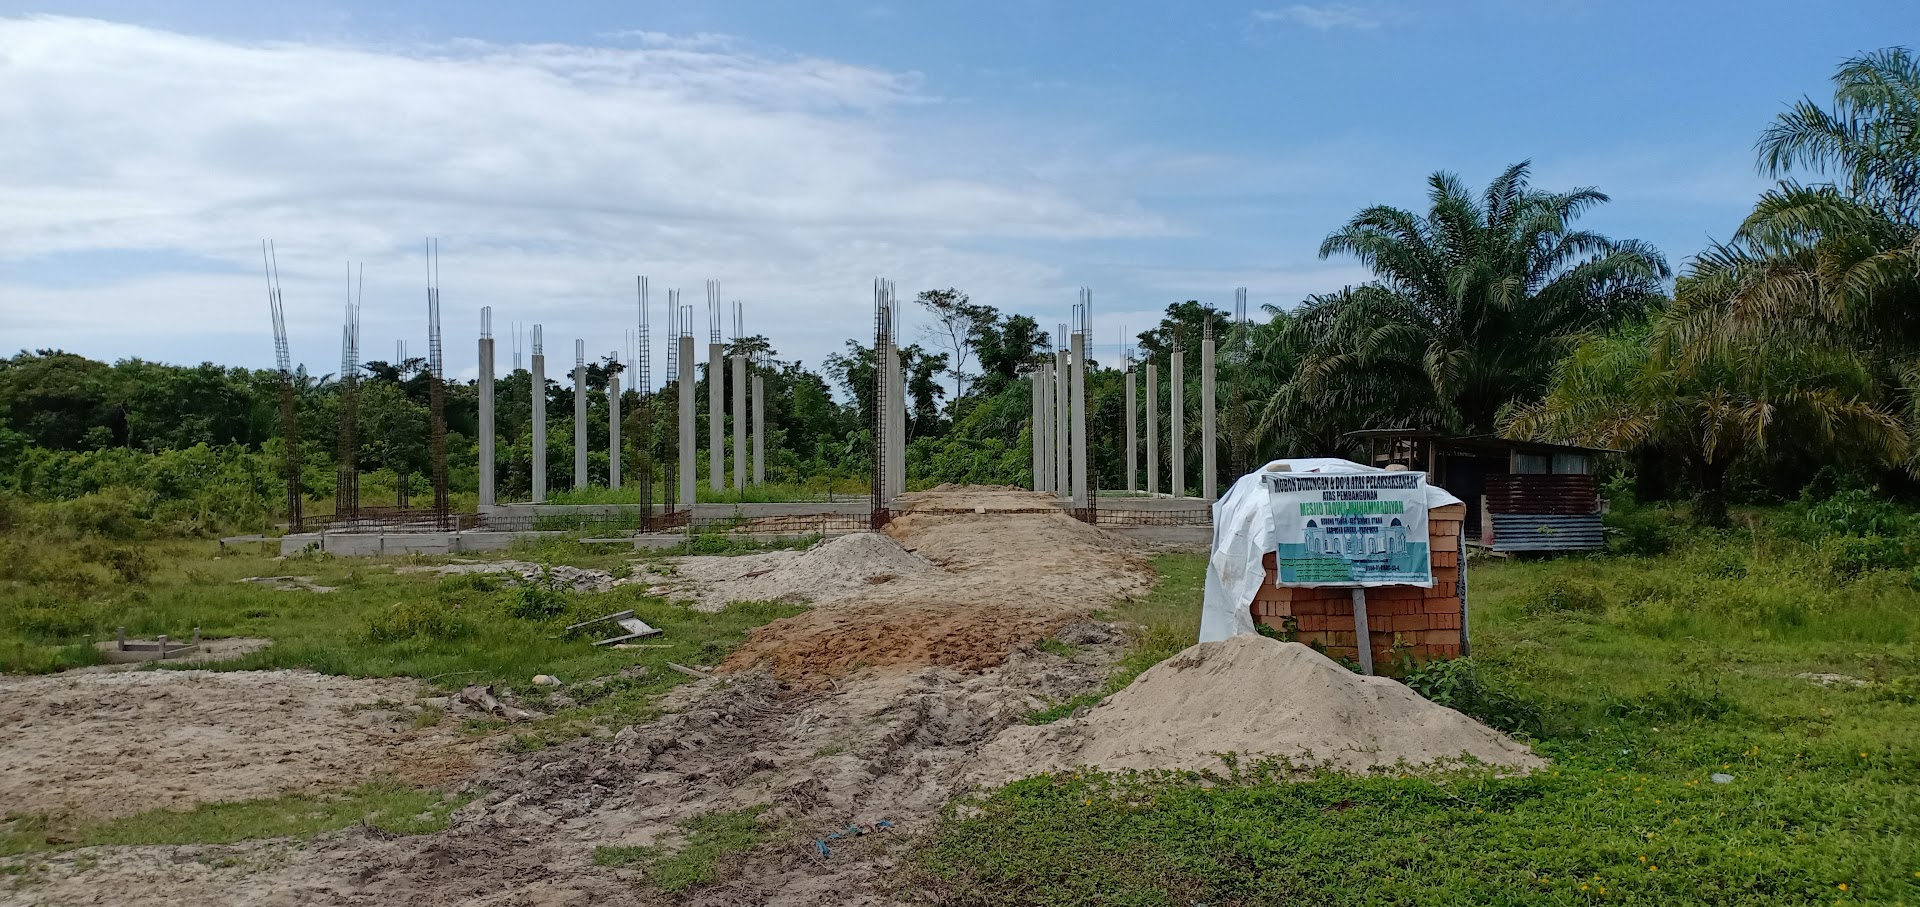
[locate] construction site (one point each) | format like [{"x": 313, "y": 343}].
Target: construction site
[
  {"x": 1427, "y": 511},
  {"x": 924, "y": 631}
]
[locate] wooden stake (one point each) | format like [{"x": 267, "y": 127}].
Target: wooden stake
[{"x": 1360, "y": 629}]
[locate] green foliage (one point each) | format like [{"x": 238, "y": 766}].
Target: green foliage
[
  {"x": 1849, "y": 556},
  {"x": 539, "y": 599},
  {"x": 1640, "y": 531},
  {"x": 1687, "y": 675},
  {"x": 1853, "y": 511},
  {"x": 714, "y": 843},
  {"x": 427, "y": 619},
  {"x": 1455, "y": 683},
  {"x": 391, "y": 808},
  {"x": 1559, "y": 595}
]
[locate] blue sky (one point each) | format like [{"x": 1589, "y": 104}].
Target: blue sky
[{"x": 1152, "y": 152}]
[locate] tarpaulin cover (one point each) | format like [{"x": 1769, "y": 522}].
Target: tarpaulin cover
[{"x": 1242, "y": 536}]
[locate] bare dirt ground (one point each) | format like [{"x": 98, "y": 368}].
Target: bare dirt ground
[
  {"x": 1013, "y": 569},
  {"x": 869, "y": 708},
  {"x": 111, "y": 743}
]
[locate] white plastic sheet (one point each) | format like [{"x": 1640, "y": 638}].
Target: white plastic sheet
[{"x": 1243, "y": 534}]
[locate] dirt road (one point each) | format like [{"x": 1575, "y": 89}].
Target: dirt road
[{"x": 865, "y": 709}]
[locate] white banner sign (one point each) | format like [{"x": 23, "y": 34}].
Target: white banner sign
[{"x": 1356, "y": 529}]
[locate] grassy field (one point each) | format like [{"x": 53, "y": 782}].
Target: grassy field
[
  {"x": 1641, "y": 678},
  {"x": 59, "y": 598}
]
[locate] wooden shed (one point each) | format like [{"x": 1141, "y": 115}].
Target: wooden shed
[
  {"x": 1522, "y": 496},
  {"x": 1404, "y": 623}
]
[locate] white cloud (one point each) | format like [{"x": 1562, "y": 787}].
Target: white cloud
[
  {"x": 552, "y": 173},
  {"x": 1322, "y": 17}
]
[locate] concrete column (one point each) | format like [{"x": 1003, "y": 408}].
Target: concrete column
[
  {"x": 1035, "y": 386},
  {"x": 1082, "y": 487},
  {"x": 486, "y": 438},
  {"x": 1209, "y": 448},
  {"x": 613, "y": 431},
  {"x": 1047, "y": 429},
  {"x": 759, "y": 385},
  {"x": 688, "y": 438},
  {"x": 1177, "y": 440},
  {"x": 539, "y": 427},
  {"x": 1133, "y": 454},
  {"x": 716, "y": 416},
  {"x": 1062, "y": 432},
  {"x": 739, "y": 422},
  {"x": 579, "y": 414},
  {"x": 1153, "y": 429},
  {"x": 897, "y": 470}
]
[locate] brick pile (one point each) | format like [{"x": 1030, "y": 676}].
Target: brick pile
[{"x": 1405, "y": 623}]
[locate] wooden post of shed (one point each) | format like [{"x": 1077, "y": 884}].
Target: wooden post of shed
[{"x": 1361, "y": 638}]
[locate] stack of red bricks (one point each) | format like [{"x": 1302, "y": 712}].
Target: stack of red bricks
[{"x": 1404, "y": 622}]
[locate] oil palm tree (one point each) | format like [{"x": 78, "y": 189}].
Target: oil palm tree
[
  {"x": 1471, "y": 304},
  {"x": 1835, "y": 263},
  {"x": 1642, "y": 387}
]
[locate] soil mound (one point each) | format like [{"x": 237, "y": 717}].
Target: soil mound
[
  {"x": 835, "y": 569},
  {"x": 1252, "y": 696},
  {"x": 1002, "y": 575}
]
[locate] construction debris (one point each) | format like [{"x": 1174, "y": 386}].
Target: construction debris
[
  {"x": 302, "y": 583},
  {"x": 635, "y": 627},
  {"x": 482, "y": 698}
]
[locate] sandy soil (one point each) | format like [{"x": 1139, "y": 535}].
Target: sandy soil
[
  {"x": 890, "y": 747},
  {"x": 1013, "y": 569},
  {"x": 833, "y": 570},
  {"x": 872, "y": 707},
  {"x": 105, "y": 744},
  {"x": 1254, "y": 697}
]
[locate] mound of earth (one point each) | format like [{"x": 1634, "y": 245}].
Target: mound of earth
[
  {"x": 1007, "y": 574},
  {"x": 835, "y": 569},
  {"x": 108, "y": 744},
  {"x": 1252, "y": 696}
]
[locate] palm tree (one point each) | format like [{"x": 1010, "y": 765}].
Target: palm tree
[
  {"x": 1641, "y": 388},
  {"x": 1836, "y": 264},
  {"x": 1837, "y": 260},
  {"x": 1471, "y": 304}
]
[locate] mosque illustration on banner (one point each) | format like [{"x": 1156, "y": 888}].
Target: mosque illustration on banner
[{"x": 1336, "y": 550}]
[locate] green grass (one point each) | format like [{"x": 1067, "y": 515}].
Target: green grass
[
  {"x": 449, "y": 631},
  {"x": 392, "y": 808},
  {"x": 1159, "y": 625},
  {"x": 713, "y": 842},
  {"x": 1646, "y": 676}
]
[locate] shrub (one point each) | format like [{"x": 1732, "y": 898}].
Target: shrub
[
  {"x": 537, "y": 599},
  {"x": 1718, "y": 561},
  {"x": 1692, "y": 700},
  {"x": 1856, "y": 511},
  {"x": 420, "y": 618},
  {"x": 1455, "y": 683},
  {"x": 1849, "y": 556},
  {"x": 1640, "y": 531},
  {"x": 1560, "y": 595},
  {"x": 132, "y": 565}
]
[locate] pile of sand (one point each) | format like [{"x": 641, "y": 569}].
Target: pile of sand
[
  {"x": 1252, "y": 696},
  {"x": 835, "y": 569},
  {"x": 1010, "y": 568}
]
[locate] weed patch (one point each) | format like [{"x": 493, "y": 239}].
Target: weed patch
[
  {"x": 391, "y": 808},
  {"x": 712, "y": 842}
]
